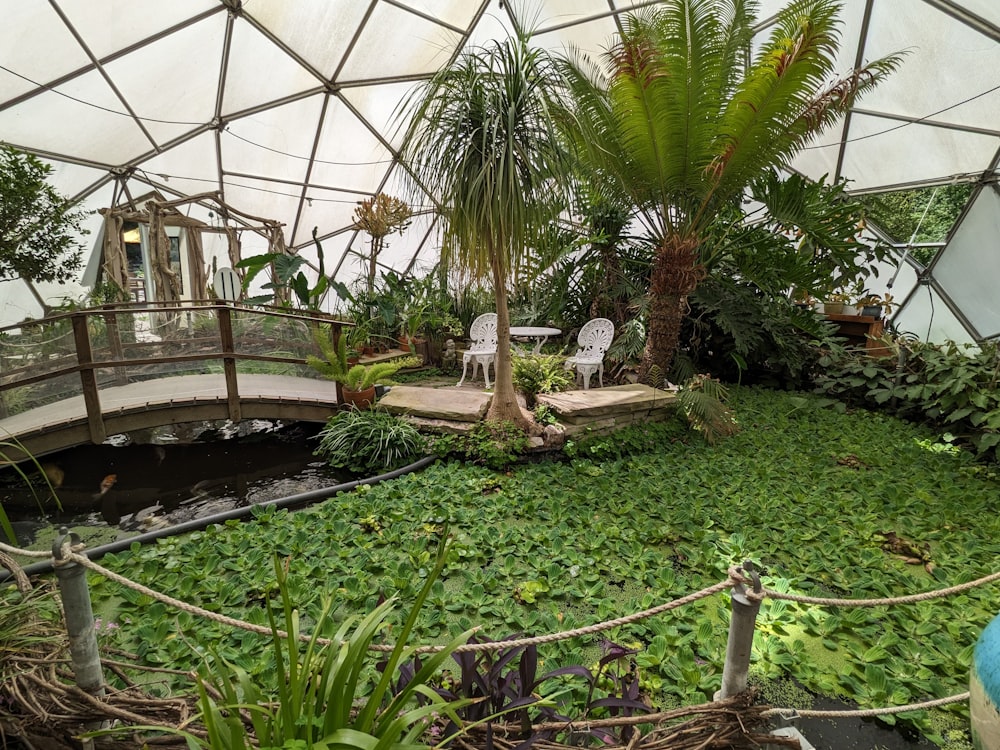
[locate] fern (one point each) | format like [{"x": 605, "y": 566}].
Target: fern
[{"x": 702, "y": 401}]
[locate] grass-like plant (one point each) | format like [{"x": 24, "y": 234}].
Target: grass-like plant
[
  {"x": 368, "y": 440},
  {"x": 324, "y": 696}
]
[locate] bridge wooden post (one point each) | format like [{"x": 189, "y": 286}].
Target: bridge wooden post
[
  {"x": 91, "y": 398},
  {"x": 229, "y": 363},
  {"x": 115, "y": 345}
]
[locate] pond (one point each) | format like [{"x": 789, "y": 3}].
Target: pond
[{"x": 173, "y": 475}]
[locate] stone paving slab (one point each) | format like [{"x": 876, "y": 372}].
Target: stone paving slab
[
  {"x": 599, "y": 404},
  {"x": 450, "y": 403}
]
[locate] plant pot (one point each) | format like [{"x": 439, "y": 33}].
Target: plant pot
[
  {"x": 359, "y": 399},
  {"x": 833, "y": 308},
  {"x": 872, "y": 311}
]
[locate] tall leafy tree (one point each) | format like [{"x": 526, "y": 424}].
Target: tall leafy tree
[
  {"x": 481, "y": 143},
  {"x": 683, "y": 121},
  {"x": 40, "y": 235}
]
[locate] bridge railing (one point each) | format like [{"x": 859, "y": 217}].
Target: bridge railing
[{"x": 81, "y": 352}]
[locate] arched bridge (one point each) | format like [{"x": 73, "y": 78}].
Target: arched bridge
[{"x": 78, "y": 377}]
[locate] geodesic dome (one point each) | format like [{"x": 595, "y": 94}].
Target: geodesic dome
[{"x": 288, "y": 110}]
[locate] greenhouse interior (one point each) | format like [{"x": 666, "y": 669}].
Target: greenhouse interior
[{"x": 500, "y": 373}]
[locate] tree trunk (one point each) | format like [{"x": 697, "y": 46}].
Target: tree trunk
[
  {"x": 676, "y": 273},
  {"x": 504, "y": 407}
]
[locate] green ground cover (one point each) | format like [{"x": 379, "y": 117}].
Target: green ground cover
[{"x": 631, "y": 521}]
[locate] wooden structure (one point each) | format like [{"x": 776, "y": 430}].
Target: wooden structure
[
  {"x": 128, "y": 378},
  {"x": 157, "y": 214},
  {"x": 863, "y": 331}
]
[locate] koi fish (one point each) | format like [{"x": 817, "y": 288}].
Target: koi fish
[{"x": 107, "y": 483}]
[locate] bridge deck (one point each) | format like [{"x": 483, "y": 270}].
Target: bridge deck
[{"x": 188, "y": 398}]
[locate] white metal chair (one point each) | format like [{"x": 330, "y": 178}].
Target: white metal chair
[
  {"x": 594, "y": 339},
  {"x": 483, "y": 351}
]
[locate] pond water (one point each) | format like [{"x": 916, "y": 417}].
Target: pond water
[{"x": 182, "y": 473}]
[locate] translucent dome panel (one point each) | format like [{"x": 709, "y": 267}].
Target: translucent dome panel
[
  {"x": 38, "y": 27},
  {"x": 968, "y": 268},
  {"x": 319, "y": 31},
  {"x": 394, "y": 42},
  {"x": 258, "y": 71},
  {"x": 926, "y": 316}
]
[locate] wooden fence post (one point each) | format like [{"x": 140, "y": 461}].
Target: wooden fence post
[
  {"x": 115, "y": 345},
  {"x": 88, "y": 379},
  {"x": 740, "y": 643},
  {"x": 229, "y": 362}
]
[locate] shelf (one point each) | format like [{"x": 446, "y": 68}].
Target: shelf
[{"x": 861, "y": 330}]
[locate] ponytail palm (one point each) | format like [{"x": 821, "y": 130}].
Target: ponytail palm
[
  {"x": 682, "y": 121},
  {"x": 481, "y": 143}
]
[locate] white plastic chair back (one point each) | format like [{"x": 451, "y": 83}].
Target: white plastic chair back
[
  {"x": 595, "y": 339},
  {"x": 483, "y": 333},
  {"x": 483, "y": 351}
]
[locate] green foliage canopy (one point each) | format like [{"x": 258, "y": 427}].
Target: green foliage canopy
[{"x": 39, "y": 232}]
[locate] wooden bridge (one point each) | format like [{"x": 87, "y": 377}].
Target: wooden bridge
[{"x": 79, "y": 377}]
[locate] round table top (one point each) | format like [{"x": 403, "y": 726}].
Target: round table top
[{"x": 533, "y": 331}]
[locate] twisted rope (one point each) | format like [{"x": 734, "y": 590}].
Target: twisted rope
[
  {"x": 487, "y": 646},
  {"x": 865, "y": 713},
  {"x": 23, "y": 552},
  {"x": 907, "y": 599}
]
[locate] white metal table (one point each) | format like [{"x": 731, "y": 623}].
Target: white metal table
[{"x": 539, "y": 333}]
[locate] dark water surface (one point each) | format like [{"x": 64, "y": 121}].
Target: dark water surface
[{"x": 139, "y": 487}]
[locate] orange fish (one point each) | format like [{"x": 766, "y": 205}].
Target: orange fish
[{"x": 107, "y": 483}]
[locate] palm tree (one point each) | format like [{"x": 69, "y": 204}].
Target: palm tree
[
  {"x": 683, "y": 121},
  {"x": 481, "y": 143}
]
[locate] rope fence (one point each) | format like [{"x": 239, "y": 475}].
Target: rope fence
[{"x": 747, "y": 597}]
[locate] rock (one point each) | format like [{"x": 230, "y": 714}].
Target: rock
[{"x": 455, "y": 404}]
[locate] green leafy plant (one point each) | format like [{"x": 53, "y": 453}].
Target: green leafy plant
[
  {"x": 335, "y": 366},
  {"x": 949, "y": 386},
  {"x": 368, "y": 440},
  {"x": 287, "y": 277},
  {"x": 40, "y": 234},
  {"x": 540, "y": 373},
  {"x": 495, "y": 446}
]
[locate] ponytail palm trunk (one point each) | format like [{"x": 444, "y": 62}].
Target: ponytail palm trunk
[
  {"x": 681, "y": 119},
  {"x": 481, "y": 144}
]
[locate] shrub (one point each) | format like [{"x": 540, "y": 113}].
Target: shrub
[
  {"x": 540, "y": 373},
  {"x": 369, "y": 440},
  {"x": 948, "y": 386},
  {"x": 487, "y": 444}
]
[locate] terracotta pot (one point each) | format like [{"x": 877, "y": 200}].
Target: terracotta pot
[{"x": 359, "y": 399}]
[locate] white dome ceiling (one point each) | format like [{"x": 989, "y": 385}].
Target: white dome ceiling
[{"x": 288, "y": 108}]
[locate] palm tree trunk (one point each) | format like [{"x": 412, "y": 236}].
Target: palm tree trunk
[
  {"x": 676, "y": 273},
  {"x": 504, "y": 407}
]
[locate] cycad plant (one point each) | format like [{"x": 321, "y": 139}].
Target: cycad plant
[{"x": 682, "y": 120}]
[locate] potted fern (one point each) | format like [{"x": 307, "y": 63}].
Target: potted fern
[{"x": 357, "y": 381}]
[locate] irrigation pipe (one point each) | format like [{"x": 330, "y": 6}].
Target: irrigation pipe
[{"x": 198, "y": 524}]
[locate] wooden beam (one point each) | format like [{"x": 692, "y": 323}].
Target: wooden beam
[{"x": 91, "y": 398}]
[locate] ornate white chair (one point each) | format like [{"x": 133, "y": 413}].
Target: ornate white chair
[
  {"x": 594, "y": 339},
  {"x": 483, "y": 351}
]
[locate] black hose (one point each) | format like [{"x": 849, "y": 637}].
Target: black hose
[{"x": 198, "y": 524}]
